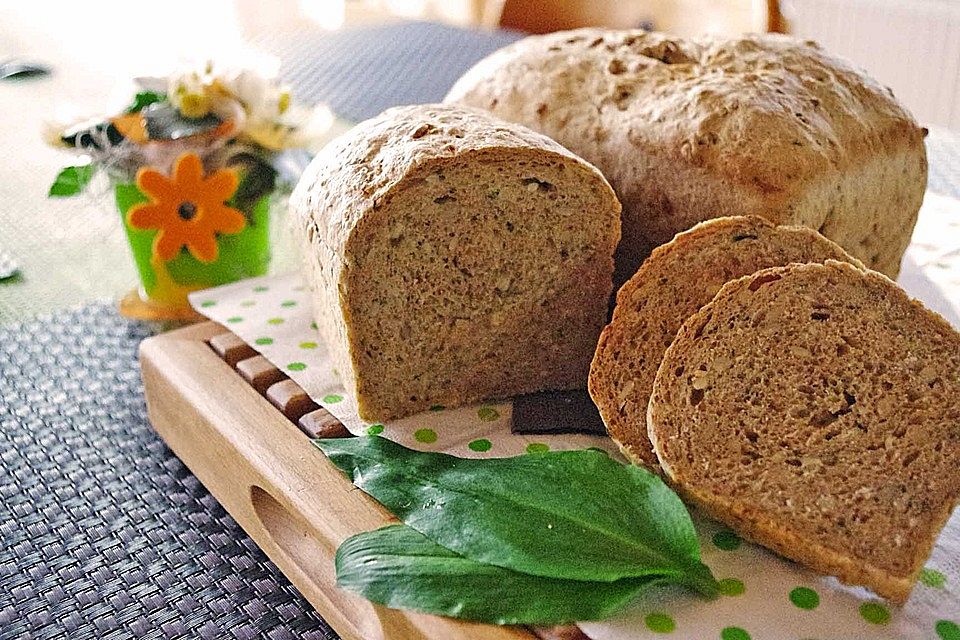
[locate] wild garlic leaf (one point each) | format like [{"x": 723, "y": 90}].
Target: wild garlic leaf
[
  {"x": 400, "y": 568},
  {"x": 576, "y": 515},
  {"x": 71, "y": 181}
]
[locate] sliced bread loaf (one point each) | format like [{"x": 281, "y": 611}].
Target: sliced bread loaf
[
  {"x": 454, "y": 258},
  {"x": 816, "y": 410},
  {"x": 688, "y": 129},
  {"x": 674, "y": 282}
]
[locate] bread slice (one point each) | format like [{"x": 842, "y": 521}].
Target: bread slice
[
  {"x": 688, "y": 129},
  {"x": 454, "y": 258},
  {"x": 674, "y": 282},
  {"x": 816, "y": 410}
]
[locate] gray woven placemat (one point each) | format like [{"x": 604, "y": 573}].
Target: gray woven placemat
[
  {"x": 103, "y": 531},
  {"x": 361, "y": 72}
]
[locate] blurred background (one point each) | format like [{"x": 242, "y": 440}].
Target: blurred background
[
  {"x": 346, "y": 53},
  {"x": 911, "y": 45}
]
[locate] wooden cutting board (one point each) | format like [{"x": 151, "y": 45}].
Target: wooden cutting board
[{"x": 243, "y": 428}]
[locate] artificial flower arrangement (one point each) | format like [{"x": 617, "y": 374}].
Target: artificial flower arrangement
[{"x": 194, "y": 163}]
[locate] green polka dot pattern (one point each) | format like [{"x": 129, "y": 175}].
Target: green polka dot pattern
[
  {"x": 426, "y": 436},
  {"x": 480, "y": 445},
  {"x": 933, "y": 578},
  {"x": 488, "y": 414},
  {"x": 261, "y": 289},
  {"x": 732, "y": 587},
  {"x": 779, "y": 601},
  {"x": 805, "y": 598},
  {"x": 947, "y": 630},
  {"x": 734, "y": 633},
  {"x": 726, "y": 540},
  {"x": 659, "y": 622},
  {"x": 874, "y": 613}
]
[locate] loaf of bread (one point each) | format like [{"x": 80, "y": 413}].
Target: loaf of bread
[
  {"x": 816, "y": 410},
  {"x": 674, "y": 282},
  {"x": 687, "y": 130},
  {"x": 454, "y": 258}
]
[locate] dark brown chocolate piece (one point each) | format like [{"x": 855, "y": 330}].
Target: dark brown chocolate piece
[
  {"x": 260, "y": 373},
  {"x": 321, "y": 424},
  {"x": 556, "y": 412},
  {"x": 231, "y": 348},
  {"x": 292, "y": 401}
]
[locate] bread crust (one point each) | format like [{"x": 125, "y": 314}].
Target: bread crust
[
  {"x": 338, "y": 208},
  {"x": 676, "y": 280},
  {"x": 690, "y": 129},
  {"x": 873, "y": 431}
]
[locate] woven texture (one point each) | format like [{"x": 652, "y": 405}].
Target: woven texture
[
  {"x": 361, "y": 72},
  {"x": 105, "y": 533}
]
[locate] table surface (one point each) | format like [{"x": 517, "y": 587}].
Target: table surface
[{"x": 103, "y": 532}]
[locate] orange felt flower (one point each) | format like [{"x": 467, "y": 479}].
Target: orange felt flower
[{"x": 188, "y": 209}]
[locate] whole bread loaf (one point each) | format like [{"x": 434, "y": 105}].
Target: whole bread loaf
[
  {"x": 691, "y": 129},
  {"x": 455, "y": 257},
  {"x": 816, "y": 410},
  {"x": 674, "y": 282}
]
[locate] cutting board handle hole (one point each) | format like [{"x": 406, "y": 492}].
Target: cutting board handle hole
[
  {"x": 313, "y": 557},
  {"x": 294, "y": 537}
]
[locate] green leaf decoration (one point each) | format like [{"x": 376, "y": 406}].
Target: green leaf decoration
[
  {"x": 400, "y": 568},
  {"x": 576, "y": 515},
  {"x": 71, "y": 181},
  {"x": 143, "y": 99}
]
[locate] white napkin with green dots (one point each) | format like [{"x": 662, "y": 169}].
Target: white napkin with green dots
[{"x": 765, "y": 597}]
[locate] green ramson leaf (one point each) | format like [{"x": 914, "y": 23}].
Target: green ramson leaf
[
  {"x": 144, "y": 98},
  {"x": 71, "y": 181},
  {"x": 400, "y": 568},
  {"x": 576, "y": 515}
]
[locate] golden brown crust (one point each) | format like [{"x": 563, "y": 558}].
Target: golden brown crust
[
  {"x": 815, "y": 409},
  {"x": 455, "y": 257},
  {"x": 674, "y": 282},
  {"x": 690, "y": 129}
]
